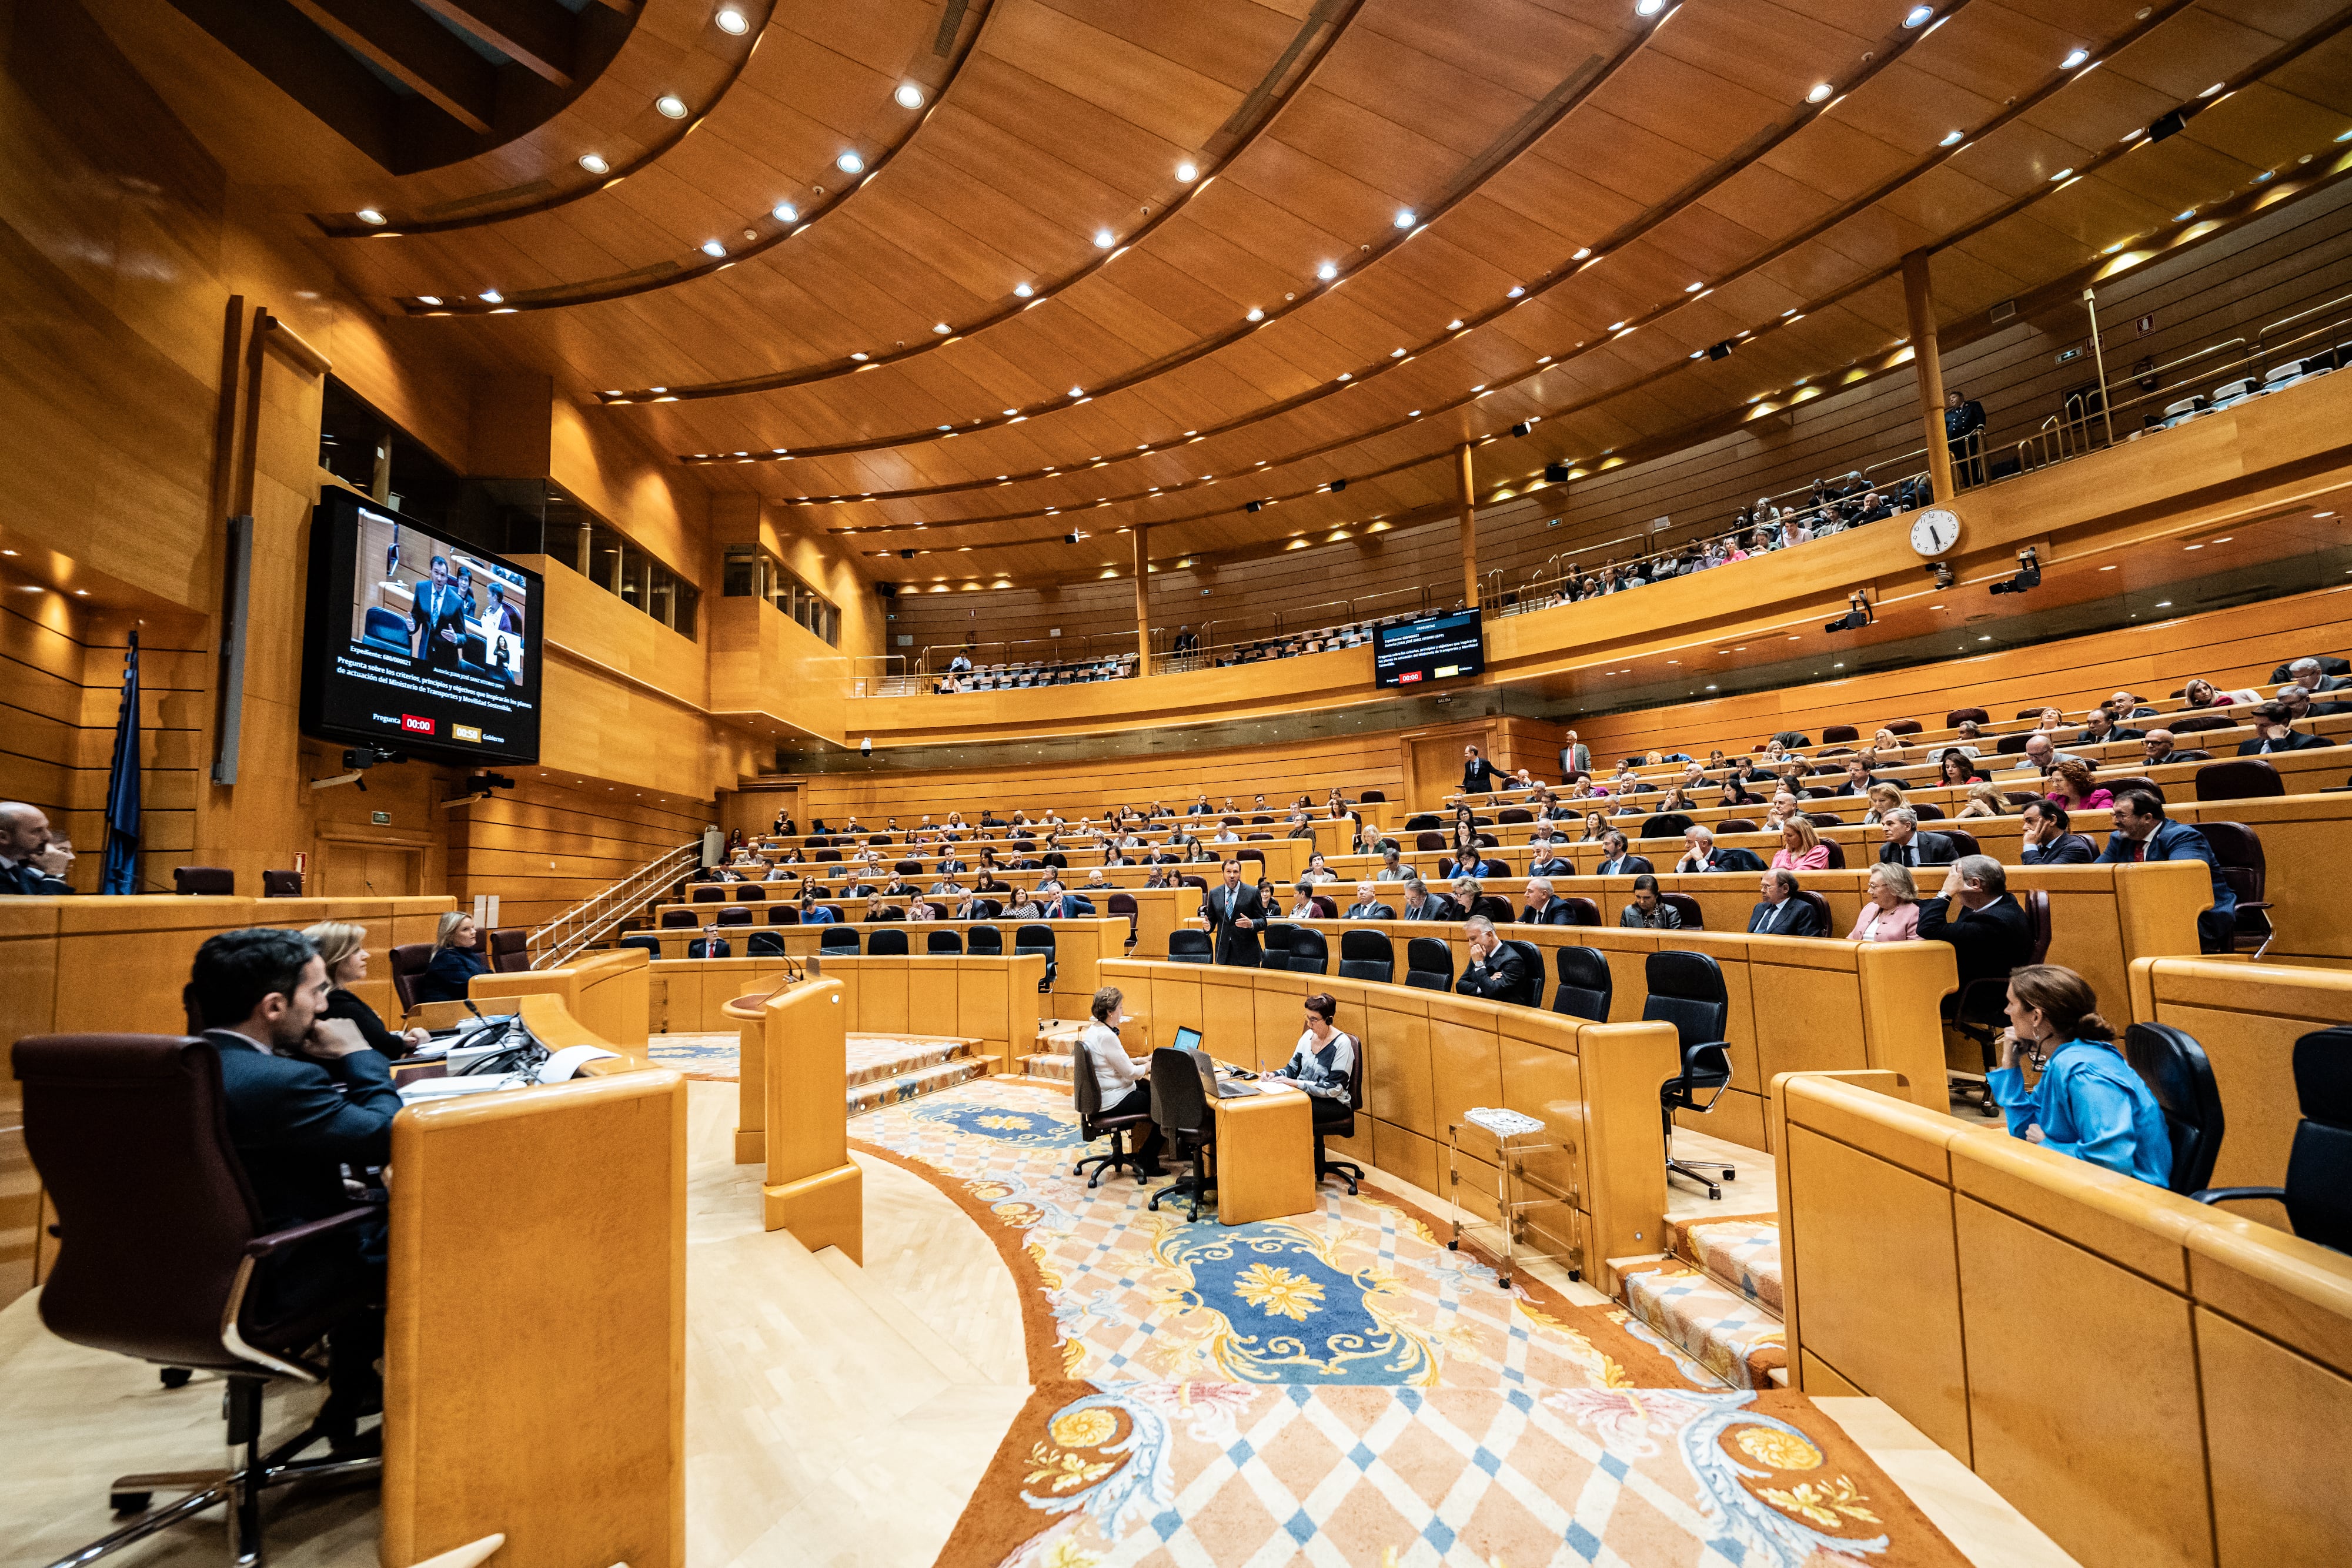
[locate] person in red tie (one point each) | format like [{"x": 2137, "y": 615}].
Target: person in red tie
[{"x": 2143, "y": 832}]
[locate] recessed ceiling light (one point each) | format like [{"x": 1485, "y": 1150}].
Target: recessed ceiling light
[
  {"x": 1186, "y": 171},
  {"x": 1105, "y": 239},
  {"x": 850, "y": 163},
  {"x": 1011, "y": 411},
  {"x": 1414, "y": 413},
  {"x": 594, "y": 164},
  {"x": 1454, "y": 325},
  {"x": 2059, "y": 175},
  {"x": 1951, "y": 138},
  {"x": 1648, "y": 7},
  {"x": 2164, "y": 604},
  {"x": 1404, "y": 218},
  {"x": 1328, "y": 271},
  {"x": 940, "y": 326},
  {"x": 1254, "y": 315},
  {"x": 492, "y": 296},
  {"x": 860, "y": 356},
  {"x": 2074, "y": 59},
  {"x": 1614, "y": 325},
  {"x": 669, "y": 106},
  {"x": 1077, "y": 391},
  {"x": 733, "y": 21},
  {"x": 1695, "y": 287},
  {"x": 1918, "y": 15},
  {"x": 1581, "y": 253},
  {"x": 2192, "y": 547},
  {"x": 428, "y": 299},
  {"x": 2210, "y": 91},
  {"x": 712, "y": 248},
  {"x": 370, "y": 216},
  {"x": 2225, "y": 539},
  {"x": 1515, "y": 290},
  {"x": 1821, "y": 90},
  {"x": 2106, "y": 569},
  {"x": 785, "y": 213},
  {"x": 2322, "y": 514},
  {"x": 909, "y": 95},
  {"x": 1023, "y": 291},
  {"x": 2183, "y": 216}
]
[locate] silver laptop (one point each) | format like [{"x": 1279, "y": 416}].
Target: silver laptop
[{"x": 1188, "y": 1040}]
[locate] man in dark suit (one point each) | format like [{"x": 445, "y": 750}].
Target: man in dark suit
[
  {"x": 23, "y": 838},
  {"x": 1235, "y": 915},
  {"x": 1906, "y": 845},
  {"x": 439, "y": 614},
  {"x": 1420, "y": 904},
  {"x": 1620, "y": 859},
  {"x": 2100, "y": 725},
  {"x": 2312, "y": 675},
  {"x": 1480, "y": 775},
  {"x": 2143, "y": 832},
  {"x": 1964, "y": 419},
  {"x": 2275, "y": 731},
  {"x": 2050, "y": 838},
  {"x": 1979, "y": 919},
  {"x": 1368, "y": 906},
  {"x": 1076, "y": 905},
  {"x": 1699, "y": 853},
  {"x": 305, "y": 1096},
  {"x": 1496, "y": 971},
  {"x": 1542, "y": 908},
  {"x": 2156, "y": 744},
  {"x": 1199, "y": 807},
  {"x": 1544, "y": 858},
  {"x": 1782, "y": 913}
]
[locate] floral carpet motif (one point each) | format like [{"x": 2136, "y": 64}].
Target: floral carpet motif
[{"x": 1340, "y": 1387}]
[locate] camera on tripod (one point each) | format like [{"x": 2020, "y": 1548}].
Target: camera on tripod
[{"x": 2029, "y": 573}]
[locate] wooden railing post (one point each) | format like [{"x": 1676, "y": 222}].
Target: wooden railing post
[{"x": 1919, "y": 306}]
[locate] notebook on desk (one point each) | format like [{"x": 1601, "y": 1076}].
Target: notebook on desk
[{"x": 1188, "y": 1041}]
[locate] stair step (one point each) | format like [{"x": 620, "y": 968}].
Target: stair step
[
  {"x": 1736, "y": 1339},
  {"x": 888, "y": 1069},
  {"x": 1741, "y": 1252},
  {"x": 1053, "y": 1065}
]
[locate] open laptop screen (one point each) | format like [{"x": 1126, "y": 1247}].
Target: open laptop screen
[{"x": 1188, "y": 1038}]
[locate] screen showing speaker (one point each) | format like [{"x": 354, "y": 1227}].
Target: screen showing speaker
[
  {"x": 1428, "y": 648},
  {"x": 416, "y": 643}
]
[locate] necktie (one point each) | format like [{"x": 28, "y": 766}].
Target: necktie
[
  {"x": 2140, "y": 850},
  {"x": 1910, "y": 854}
]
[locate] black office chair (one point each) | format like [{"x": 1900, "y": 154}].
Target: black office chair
[
  {"x": 1586, "y": 986},
  {"x": 784, "y": 914},
  {"x": 706, "y": 895},
  {"x": 1495, "y": 908},
  {"x": 1273, "y": 945},
  {"x": 709, "y": 947},
  {"x": 2319, "y": 1190},
  {"x": 1684, "y": 904},
  {"x": 736, "y": 915},
  {"x": 1187, "y": 1124},
  {"x": 1188, "y": 946},
  {"x": 1087, "y": 1092},
  {"x": 1310, "y": 951},
  {"x": 984, "y": 942},
  {"x": 1428, "y": 963},
  {"x": 1666, "y": 825},
  {"x": 763, "y": 945},
  {"x": 1530, "y": 993},
  {"x": 889, "y": 944},
  {"x": 1123, "y": 904},
  {"x": 650, "y": 943},
  {"x": 2177, "y": 1072},
  {"x": 160, "y": 1243},
  {"x": 2240, "y": 779},
  {"x": 1344, "y": 1126},
  {"x": 2238, "y": 851},
  {"x": 1686, "y": 991},
  {"x": 943, "y": 941},
  {"x": 838, "y": 939},
  {"x": 1038, "y": 939},
  {"x": 1583, "y": 912},
  {"x": 1367, "y": 955}
]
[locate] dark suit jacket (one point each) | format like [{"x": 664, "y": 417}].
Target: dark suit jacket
[
  {"x": 1481, "y": 776},
  {"x": 343, "y": 1004},
  {"x": 1848, "y": 788},
  {"x": 1554, "y": 866},
  {"x": 1790, "y": 917},
  {"x": 2070, "y": 849},
  {"x": 1987, "y": 943},
  {"x": 440, "y": 608},
  {"x": 2179, "y": 841},
  {"x": 1502, "y": 976},
  {"x": 1373, "y": 911},
  {"x": 2296, "y": 741},
  {"x": 1556, "y": 912},
  {"x": 1222, "y": 905},
  {"x": 1934, "y": 849},
  {"x": 1627, "y": 865},
  {"x": 296, "y": 1123},
  {"x": 24, "y": 878},
  {"x": 1437, "y": 906},
  {"x": 2118, "y": 733}
]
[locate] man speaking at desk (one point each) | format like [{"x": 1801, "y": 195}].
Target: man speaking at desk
[
  {"x": 440, "y": 618},
  {"x": 306, "y": 1097},
  {"x": 1236, "y": 914}
]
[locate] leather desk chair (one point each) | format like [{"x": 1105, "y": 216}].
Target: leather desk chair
[
  {"x": 678, "y": 919},
  {"x": 841, "y": 940},
  {"x": 1274, "y": 944},
  {"x": 1687, "y": 907},
  {"x": 1037, "y": 939},
  {"x": 1367, "y": 955},
  {"x": 1092, "y": 1123},
  {"x": 281, "y": 885},
  {"x": 2240, "y": 779},
  {"x": 1428, "y": 964},
  {"x": 1819, "y": 906},
  {"x": 2319, "y": 1190},
  {"x": 734, "y": 915},
  {"x": 509, "y": 949},
  {"x": 1188, "y": 946},
  {"x": 986, "y": 942},
  {"x": 1981, "y": 1009},
  {"x": 1348, "y": 1171},
  {"x": 1530, "y": 993},
  {"x": 160, "y": 1243},
  {"x": 784, "y": 914},
  {"x": 764, "y": 944},
  {"x": 2178, "y": 1073},
  {"x": 1310, "y": 951},
  {"x": 886, "y": 944},
  {"x": 407, "y": 964},
  {"x": 1686, "y": 991},
  {"x": 216, "y": 880},
  {"x": 944, "y": 941},
  {"x": 1186, "y": 1121},
  {"x": 1586, "y": 986}
]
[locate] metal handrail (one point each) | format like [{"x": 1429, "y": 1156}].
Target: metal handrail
[{"x": 594, "y": 917}]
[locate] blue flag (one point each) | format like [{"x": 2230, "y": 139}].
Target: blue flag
[{"x": 121, "y": 872}]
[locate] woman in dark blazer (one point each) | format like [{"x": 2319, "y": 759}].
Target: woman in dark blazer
[
  {"x": 456, "y": 959},
  {"x": 342, "y": 947}
]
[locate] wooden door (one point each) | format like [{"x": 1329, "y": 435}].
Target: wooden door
[{"x": 371, "y": 871}]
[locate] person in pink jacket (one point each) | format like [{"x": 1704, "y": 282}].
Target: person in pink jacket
[
  {"x": 1890, "y": 910},
  {"x": 1801, "y": 847}
]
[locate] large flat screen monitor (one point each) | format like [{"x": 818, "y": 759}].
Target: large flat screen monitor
[
  {"x": 415, "y": 642},
  {"x": 1428, "y": 648}
]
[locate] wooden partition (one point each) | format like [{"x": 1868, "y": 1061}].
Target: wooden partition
[
  {"x": 1795, "y": 1002},
  {"x": 994, "y": 1001},
  {"x": 75, "y": 966},
  {"x": 605, "y": 990},
  {"x": 535, "y": 1347},
  {"x": 1158, "y": 911},
  {"x": 2149, "y": 1380},
  {"x": 1429, "y": 1057},
  {"x": 2248, "y": 1018}
]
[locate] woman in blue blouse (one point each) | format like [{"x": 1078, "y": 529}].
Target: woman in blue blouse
[{"x": 2088, "y": 1104}]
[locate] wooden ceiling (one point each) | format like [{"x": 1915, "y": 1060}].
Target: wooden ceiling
[{"x": 1531, "y": 210}]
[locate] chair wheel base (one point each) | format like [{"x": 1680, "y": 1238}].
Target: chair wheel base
[
  {"x": 176, "y": 1376},
  {"x": 130, "y": 1502}
]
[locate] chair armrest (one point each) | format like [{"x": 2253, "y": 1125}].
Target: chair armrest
[
  {"x": 2238, "y": 1193},
  {"x": 277, "y": 1240},
  {"x": 2253, "y": 904}
]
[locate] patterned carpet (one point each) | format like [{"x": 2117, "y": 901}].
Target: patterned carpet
[{"x": 1342, "y": 1388}]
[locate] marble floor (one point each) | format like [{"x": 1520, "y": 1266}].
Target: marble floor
[{"x": 835, "y": 1415}]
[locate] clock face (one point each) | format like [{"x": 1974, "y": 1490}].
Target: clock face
[{"x": 1935, "y": 530}]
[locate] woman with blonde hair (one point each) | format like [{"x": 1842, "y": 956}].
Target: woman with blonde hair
[
  {"x": 1983, "y": 801},
  {"x": 1887, "y": 745},
  {"x": 342, "y": 949},
  {"x": 1884, "y": 797},
  {"x": 1801, "y": 846},
  {"x": 2088, "y": 1104},
  {"x": 455, "y": 959},
  {"x": 1890, "y": 908}
]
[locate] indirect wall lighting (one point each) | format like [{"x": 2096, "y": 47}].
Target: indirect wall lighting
[
  {"x": 669, "y": 106},
  {"x": 428, "y": 299}
]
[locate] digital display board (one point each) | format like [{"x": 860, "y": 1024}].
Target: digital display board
[
  {"x": 1431, "y": 648},
  {"x": 415, "y": 642}
]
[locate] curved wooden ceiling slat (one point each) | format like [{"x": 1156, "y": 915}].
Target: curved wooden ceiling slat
[{"x": 1438, "y": 458}]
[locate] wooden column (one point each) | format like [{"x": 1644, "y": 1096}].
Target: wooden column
[
  {"x": 1143, "y": 598},
  {"x": 1919, "y": 306},
  {"x": 1465, "y": 496}
]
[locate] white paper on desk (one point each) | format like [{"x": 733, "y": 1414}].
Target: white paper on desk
[
  {"x": 565, "y": 1064},
  {"x": 417, "y": 1089}
]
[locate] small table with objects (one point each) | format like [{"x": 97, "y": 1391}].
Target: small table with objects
[{"x": 1266, "y": 1153}]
